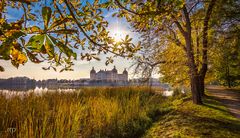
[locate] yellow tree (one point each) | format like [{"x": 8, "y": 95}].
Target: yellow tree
[{"x": 174, "y": 18}]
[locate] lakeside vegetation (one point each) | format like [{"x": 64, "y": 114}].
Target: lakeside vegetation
[
  {"x": 114, "y": 112},
  {"x": 89, "y": 112}
]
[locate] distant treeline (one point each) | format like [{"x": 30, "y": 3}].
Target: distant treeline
[{"x": 25, "y": 83}]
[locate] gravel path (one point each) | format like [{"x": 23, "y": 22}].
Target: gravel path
[{"x": 229, "y": 97}]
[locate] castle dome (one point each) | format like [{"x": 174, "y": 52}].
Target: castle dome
[
  {"x": 125, "y": 71},
  {"x": 114, "y": 69},
  {"x": 93, "y": 70}
]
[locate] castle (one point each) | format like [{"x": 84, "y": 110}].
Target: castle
[{"x": 109, "y": 75}]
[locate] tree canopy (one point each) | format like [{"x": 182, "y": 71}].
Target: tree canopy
[
  {"x": 187, "y": 29},
  {"x": 52, "y": 31}
]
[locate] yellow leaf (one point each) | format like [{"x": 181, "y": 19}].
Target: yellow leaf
[{"x": 18, "y": 57}]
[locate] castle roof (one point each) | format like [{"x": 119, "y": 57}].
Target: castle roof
[
  {"x": 125, "y": 71},
  {"x": 114, "y": 69},
  {"x": 93, "y": 70}
]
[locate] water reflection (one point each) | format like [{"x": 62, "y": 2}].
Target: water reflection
[
  {"x": 9, "y": 93},
  {"x": 168, "y": 93},
  {"x": 25, "y": 88},
  {"x": 25, "y": 91}
]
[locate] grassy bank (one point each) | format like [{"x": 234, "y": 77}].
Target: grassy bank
[
  {"x": 89, "y": 112},
  {"x": 187, "y": 120},
  {"x": 114, "y": 112}
]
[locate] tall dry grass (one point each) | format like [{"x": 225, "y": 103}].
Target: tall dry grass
[{"x": 88, "y": 112}]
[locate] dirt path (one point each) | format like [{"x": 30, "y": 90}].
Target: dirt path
[{"x": 230, "y": 98}]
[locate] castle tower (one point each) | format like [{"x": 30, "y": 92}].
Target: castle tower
[
  {"x": 114, "y": 69},
  {"x": 125, "y": 73},
  {"x": 114, "y": 74},
  {"x": 93, "y": 74}
]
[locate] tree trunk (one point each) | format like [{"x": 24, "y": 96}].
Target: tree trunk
[
  {"x": 202, "y": 85},
  {"x": 196, "y": 96},
  {"x": 204, "y": 68},
  {"x": 229, "y": 83},
  {"x": 195, "y": 85},
  {"x": 228, "y": 77}
]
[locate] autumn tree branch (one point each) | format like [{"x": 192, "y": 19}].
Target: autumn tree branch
[
  {"x": 205, "y": 36},
  {"x": 104, "y": 46}
]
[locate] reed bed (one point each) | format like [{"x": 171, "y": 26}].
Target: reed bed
[{"x": 88, "y": 112}]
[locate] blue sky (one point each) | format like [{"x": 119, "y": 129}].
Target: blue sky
[{"x": 81, "y": 68}]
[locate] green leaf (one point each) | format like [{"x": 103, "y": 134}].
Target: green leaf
[
  {"x": 32, "y": 57},
  {"x": 5, "y": 51},
  {"x": 65, "y": 49},
  {"x": 35, "y": 43},
  {"x": 49, "y": 46},
  {"x": 46, "y": 15}
]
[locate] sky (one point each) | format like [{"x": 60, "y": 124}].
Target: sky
[{"x": 118, "y": 28}]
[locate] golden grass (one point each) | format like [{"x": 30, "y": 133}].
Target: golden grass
[{"x": 89, "y": 112}]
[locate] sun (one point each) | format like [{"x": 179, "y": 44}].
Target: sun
[
  {"x": 118, "y": 35},
  {"x": 118, "y": 31}
]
